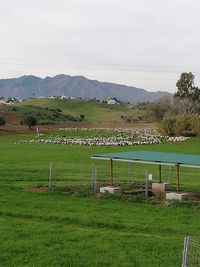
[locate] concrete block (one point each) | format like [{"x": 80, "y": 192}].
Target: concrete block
[
  {"x": 160, "y": 188},
  {"x": 176, "y": 196},
  {"x": 110, "y": 189}
]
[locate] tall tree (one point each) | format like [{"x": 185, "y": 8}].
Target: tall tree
[
  {"x": 186, "y": 87},
  {"x": 187, "y": 97}
]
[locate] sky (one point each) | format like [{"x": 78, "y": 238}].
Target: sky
[{"x": 142, "y": 43}]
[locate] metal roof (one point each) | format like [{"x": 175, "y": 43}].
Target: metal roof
[{"x": 153, "y": 157}]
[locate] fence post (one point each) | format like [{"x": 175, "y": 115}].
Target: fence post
[
  {"x": 50, "y": 174},
  {"x": 94, "y": 177},
  {"x": 146, "y": 184},
  {"x": 185, "y": 251},
  {"x": 129, "y": 172}
]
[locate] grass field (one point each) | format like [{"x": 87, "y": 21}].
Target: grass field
[{"x": 55, "y": 229}]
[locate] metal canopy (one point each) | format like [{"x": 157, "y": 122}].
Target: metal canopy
[{"x": 150, "y": 157}]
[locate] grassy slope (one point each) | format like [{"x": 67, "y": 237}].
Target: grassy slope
[
  {"x": 51, "y": 229},
  {"x": 96, "y": 114},
  {"x": 93, "y": 111}
]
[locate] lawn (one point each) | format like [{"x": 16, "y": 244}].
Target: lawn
[{"x": 55, "y": 229}]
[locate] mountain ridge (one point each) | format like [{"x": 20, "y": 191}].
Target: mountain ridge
[{"x": 28, "y": 86}]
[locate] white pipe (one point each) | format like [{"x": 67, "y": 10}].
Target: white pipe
[
  {"x": 135, "y": 161},
  {"x": 190, "y": 166},
  {"x": 101, "y": 158}
]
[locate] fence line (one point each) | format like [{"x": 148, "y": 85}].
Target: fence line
[{"x": 191, "y": 252}]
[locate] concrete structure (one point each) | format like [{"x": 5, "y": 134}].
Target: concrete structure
[
  {"x": 110, "y": 189},
  {"x": 160, "y": 188},
  {"x": 176, "y": 196}
]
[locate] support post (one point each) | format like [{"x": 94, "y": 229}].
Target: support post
[
  {"x": 94, "y": 177},
  {"x": 159, "y": 174},
  {"x": 177, "y": 176},
  {"x": 111, "y": 172},
  {"x": 185, "y": 251},
  {"x": 129, "y": 172},
  {"x": 146, "y": 184},
  {"x": 50, "y": 174}
]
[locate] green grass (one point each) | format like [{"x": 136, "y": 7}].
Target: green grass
[
  {"x": 93, "y": 111},
  {"x": 55, "y": 229}
]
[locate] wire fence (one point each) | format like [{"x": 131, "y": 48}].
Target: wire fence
[
  {"x": 64, "y": 173},
  {"x": 191, "y": 252},
  {"x": 61, "y": 174}
]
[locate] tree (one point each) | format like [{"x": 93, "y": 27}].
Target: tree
[
  {"x": 186, "y": 88},
  {"x": 187, "y": 97},
  {"x": 82, "y": 117},
  {"x": 2, "y": 121},
  {"x": 168, "y": 126},
  {"x": 186, "y": 125},
  {"x": 158, "y": 109},
  {"x": 30, "y": 121}
]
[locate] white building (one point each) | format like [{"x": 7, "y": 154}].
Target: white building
[
  {"x": 2, "y": 100},
  {"x": 111, "y": 101}
]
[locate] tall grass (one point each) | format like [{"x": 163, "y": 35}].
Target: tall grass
[{"x": 55, "y": 229}]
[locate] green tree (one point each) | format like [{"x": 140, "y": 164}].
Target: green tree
[
  {"x": 186, "y": 88},
  {"x": 158, "y": 109},
  {"x": 82, "y": 117},
  {"x": 2, "y": 121},
  {"x": 186, "y": 125},
  {"x": 168, "y": 126},
  {"x": 30, "y": 121},
  {"x": 187, "y": 97}
]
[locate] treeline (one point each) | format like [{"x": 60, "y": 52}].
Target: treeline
[
  {"x": 186, "y": 125},
  {"x": 179, "y": 115}
]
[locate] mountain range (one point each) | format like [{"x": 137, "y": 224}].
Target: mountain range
[{"x": 73, "y": 86}]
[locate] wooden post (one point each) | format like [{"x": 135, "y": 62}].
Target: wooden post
[
  {"x": 129, "y": 172},
  {"x": 177, "y": 176},
  {"x": 146, "y": 184},
  {"x": 159, "y": 175},
  {"x": 50, "y": 174},
  {"x": 111, "y": 172}
]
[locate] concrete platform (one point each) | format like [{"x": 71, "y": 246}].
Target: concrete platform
[
  {"x": 160, "y": 188},
  {"x": 110, "y": 189},
  {"x": 176, "y": 196}
]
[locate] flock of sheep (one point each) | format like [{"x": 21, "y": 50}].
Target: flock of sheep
[{"x": 107, "y": 137}]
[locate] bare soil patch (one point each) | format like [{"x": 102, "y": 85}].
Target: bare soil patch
[{"x": 41, "y": 189}]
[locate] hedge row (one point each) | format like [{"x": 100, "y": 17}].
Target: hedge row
[{"x": 185, "y": 125}]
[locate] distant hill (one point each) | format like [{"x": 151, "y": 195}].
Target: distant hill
[{"x": 74, "y": 86}]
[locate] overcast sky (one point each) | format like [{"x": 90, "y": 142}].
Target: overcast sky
[{"x": 141, "y": 43}]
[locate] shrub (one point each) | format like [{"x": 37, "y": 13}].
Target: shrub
[
  {"x": 167, "y": 126},
  {"x": 186, "y": 125},
  {"x": 82, "y": 117},
  {"x": 58, "y": 110},
  {"x": 29, "y": 120}
]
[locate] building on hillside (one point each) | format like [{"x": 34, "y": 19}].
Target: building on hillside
[
  {"x": 111, "y": 101},
  {"x": 64, "y": 97},
  {"x": 2, "y": 100}
]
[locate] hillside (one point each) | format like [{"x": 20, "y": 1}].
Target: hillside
[
  {"x": 73, "y": 86},
  {"x": 53, "y": 113}
]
